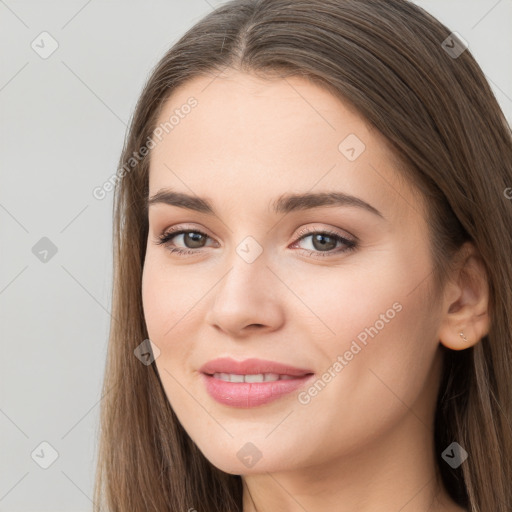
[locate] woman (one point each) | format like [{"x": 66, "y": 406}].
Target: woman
[{"x": 312, "y": 271}]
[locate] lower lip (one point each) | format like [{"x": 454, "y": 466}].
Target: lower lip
[{"x": 251, "y": 394}]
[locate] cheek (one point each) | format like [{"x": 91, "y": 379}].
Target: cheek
[
  {"x": 379, "y": 303},
  {"x": 166, "y": 295},
  {"x": 381, "y": 352},
  {"x": 173, "y": 301},
  {"x": 169, "y": 317}
]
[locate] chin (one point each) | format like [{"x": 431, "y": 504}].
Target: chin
[{"x": 246, "y": 461}]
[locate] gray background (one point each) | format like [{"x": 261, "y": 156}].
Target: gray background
[{"x": 63, "y": 121}]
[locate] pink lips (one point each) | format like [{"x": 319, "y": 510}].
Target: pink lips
[{"x": 251, "y": 394}]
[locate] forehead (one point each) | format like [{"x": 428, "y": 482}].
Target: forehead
[
  {"x": 247, "y": 135},
  {"x": 239, "y": 108}
]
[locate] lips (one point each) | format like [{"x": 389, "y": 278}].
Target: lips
[
  {"x": 246, "y": 392},
  {"x": 251, "y": 366}
]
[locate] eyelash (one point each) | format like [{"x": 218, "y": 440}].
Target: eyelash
[{"x": 350, "y": 245}]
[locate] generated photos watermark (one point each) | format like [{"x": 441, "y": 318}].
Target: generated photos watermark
[
  {"x": 305, "y": 397},
  {"x": 100, "y": 192}
]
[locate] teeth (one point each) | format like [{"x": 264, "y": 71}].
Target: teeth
[{"x": 260, "y": 377}]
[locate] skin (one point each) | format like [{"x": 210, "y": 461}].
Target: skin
[{"x": 365, "y": 442}]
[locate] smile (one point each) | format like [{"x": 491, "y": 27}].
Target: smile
[
  {"x": 259, "y": 377},
  {"x": 251, "y": 390}
]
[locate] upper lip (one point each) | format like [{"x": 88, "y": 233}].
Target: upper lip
[{"x": 251, "y": 366}]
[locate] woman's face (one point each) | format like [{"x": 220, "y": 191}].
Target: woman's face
[{"x": 264, "y": 282}]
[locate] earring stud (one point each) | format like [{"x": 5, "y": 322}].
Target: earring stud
[{"x": 463, "y": 336}]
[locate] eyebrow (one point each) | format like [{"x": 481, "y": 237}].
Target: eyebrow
[{"x": 285, "y": 203}]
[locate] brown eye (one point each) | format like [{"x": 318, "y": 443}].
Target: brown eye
[
  {"x": 192, "y": 239},
  {"x": 323, "y": 243}
]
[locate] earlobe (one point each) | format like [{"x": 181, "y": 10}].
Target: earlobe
[
  {"x": 458, "y": 340},
  {"x": 465, "y": 318}
]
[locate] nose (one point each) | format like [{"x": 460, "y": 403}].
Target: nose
[{"x": 248, "y": 297}]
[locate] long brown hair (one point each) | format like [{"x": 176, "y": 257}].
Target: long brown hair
[{"x": 439, "y": 115}]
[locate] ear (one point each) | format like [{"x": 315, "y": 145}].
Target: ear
[{"x": 465, "y": 301}]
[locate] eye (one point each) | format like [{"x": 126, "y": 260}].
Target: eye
[
  {"x": 192, "y": 237},
  {"x": 322, "y": 241}
]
